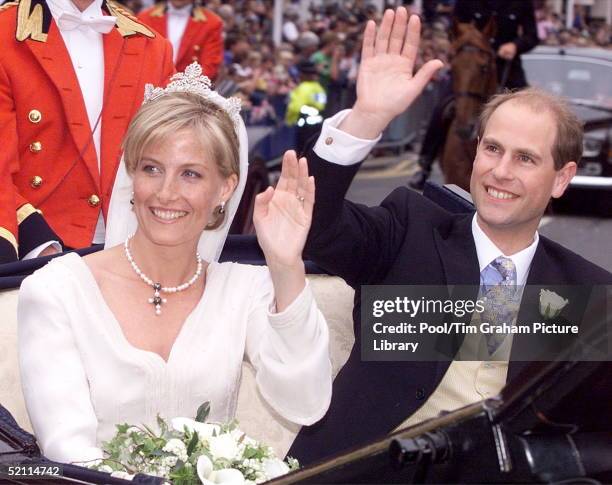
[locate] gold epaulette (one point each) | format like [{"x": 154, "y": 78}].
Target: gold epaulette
[
  {"x": 8, "y": 5},
  {"x": 158, "y": 10},
  {"x": 199, "y": 14},
  {"x": 127, "y": 23},
  {"x": 30, "y": 20}
]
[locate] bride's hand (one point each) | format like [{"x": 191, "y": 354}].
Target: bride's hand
[{"x": 282, "y": 215}]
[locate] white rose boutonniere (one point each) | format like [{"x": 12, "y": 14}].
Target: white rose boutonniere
[{"x": 551, "y": 304}]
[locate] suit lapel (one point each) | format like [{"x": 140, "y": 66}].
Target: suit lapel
[
  {"x": 54, "y": 59},
  {"x": 122, "y": 95},
  {"x": 457, "y": 251},
  {"x": 545, "y": 273},
  {"x": 542, "y": 271},
  {"x": 187, "y": 40}
]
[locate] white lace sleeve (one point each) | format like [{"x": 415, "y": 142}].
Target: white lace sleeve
[
  {"x": 54, "y": 383},
  {"x": 290, "y": 352}
]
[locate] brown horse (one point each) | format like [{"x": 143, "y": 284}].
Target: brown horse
[{"x": 474, "y": 80}]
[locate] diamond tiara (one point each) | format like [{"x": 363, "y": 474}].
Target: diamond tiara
[{"x": 193, "y": 81}]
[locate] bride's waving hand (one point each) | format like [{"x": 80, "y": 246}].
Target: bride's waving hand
[{"x": 282, "y": 219}]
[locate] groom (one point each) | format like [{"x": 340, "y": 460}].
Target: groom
[{"x": 529, "y": 145}]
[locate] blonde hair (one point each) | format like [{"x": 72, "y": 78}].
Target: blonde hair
[
  {"x": 163, "y": 117},
  {"x": 567, "y": 146}
]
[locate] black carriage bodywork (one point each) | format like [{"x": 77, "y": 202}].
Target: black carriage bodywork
[{"x": 584, "y": 76}]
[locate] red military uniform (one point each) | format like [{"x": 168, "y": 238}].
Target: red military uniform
[
  {"x": 201, "y": 42},
  {"x": 47, "y": 143}
]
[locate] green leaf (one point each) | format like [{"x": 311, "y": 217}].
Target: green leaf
[
  {"x": 203, "y": 412},
  {"x": 193, "y": 443},
  {"x": 184, "y": 476},
  {"x": 249, "y": 452}
]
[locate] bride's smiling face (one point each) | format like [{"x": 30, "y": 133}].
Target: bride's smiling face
[{"x": 177, "y": 188}]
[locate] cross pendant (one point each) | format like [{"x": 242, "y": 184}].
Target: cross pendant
[{"x": 157, "y": 300}]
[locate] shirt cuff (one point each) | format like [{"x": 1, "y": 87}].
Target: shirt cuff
[
  {"x": 337, "y": 146},
  {"x": 39, "y": 249}
]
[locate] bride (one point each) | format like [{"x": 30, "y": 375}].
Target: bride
[{"x": 154, "y": 324}]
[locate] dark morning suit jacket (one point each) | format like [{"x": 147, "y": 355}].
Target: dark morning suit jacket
[{"x": 406, "y": 240}]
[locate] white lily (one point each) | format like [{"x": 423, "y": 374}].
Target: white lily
[
  {"x": 204, "y": 467},
  {"x": 223, "y": 446},
  {"x": 225, "y": 476},
  {"x": 273, "y": 467},
  {"x": 551, "y": 304}
]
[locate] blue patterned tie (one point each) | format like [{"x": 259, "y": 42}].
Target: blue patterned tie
[{"x": 498, "y": 285}]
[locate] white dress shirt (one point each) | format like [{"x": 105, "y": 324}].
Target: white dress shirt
[
  {"x": 177, "y": 19},
  {"x": 86, "y": 49},
  {"x": 487, "y": 251}
]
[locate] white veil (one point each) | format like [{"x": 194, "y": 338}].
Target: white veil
[{"x": 121, "y": 221}]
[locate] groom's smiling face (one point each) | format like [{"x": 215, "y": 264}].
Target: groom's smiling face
[
  {"x": 176, "y": 189},
  {"x": 514, "y": 175}
]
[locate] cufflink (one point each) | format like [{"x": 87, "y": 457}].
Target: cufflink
[{"x": 329, "y": 140}]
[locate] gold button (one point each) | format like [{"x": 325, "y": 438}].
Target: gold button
[
  {"x": 35, "y": 116},
  {"x": 329, "y": 140},
  {"x": 35, "y": 146},
  {"x": 36, "y": 181},
  {"x": 93, "y": 200}
]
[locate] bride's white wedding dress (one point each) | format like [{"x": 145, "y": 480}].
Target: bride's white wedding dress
[{"x": 81, "y": 376}]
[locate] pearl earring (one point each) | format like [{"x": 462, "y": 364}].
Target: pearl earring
[{"x": 222, "y": 207}]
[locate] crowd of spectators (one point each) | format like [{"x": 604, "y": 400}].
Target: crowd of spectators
[
  {"x": 326, "y": 43},
  {"x": 329, "y": 36},
  {"x": 330, "y": 39},
  {"x": 585, "y": 32}
]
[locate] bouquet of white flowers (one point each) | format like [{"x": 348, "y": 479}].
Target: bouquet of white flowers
[{"x": 189, "y": 452}]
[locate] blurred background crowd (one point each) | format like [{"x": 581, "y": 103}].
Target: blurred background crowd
[{"x": 321, "y": 43}]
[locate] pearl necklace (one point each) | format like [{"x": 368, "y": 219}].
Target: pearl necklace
[{"x": 157, "y": 300}]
